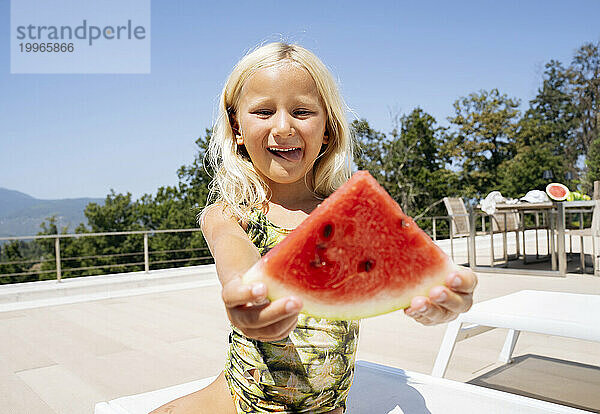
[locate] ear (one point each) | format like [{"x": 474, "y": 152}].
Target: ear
[
  {"x": 326, "y": 138},
  {"x": 234, "y": 124}
]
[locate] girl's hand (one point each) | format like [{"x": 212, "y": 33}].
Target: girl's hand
[
  {"x": 251, "y": 312},
  {"x": 445, "y": 302}
]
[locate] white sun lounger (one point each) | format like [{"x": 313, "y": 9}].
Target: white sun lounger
[
  {"x": 378, "y": 389},
  {"x": 552, "y": 313}
]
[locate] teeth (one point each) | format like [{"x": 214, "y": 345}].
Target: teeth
[{"x": 283, "y": 149}]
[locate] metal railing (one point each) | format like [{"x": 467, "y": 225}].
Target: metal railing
[
  {"x": 95, "y": 263},
  {"x": 145, "y": 257},
  {"x": 434, "y": 230},
  {"x": 430, "y": 225}
]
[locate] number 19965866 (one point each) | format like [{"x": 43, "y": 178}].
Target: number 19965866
[{"x": 47, "y": 47}]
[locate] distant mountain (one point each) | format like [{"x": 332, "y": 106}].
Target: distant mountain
[{"x": 22, "y": 214}]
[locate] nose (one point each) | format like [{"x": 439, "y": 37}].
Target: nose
[{"x": 282, "y": 126}]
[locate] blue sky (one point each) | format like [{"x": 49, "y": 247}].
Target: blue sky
[{"x": 81, "y": 135}]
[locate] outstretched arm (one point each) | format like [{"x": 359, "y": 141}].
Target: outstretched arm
[
  {"x": 247, "y": 306},
  {"x": 444, "y": 303}
]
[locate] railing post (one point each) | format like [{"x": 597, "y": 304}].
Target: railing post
[
  {"x": 472, "y": 234},
  {"x": 57, "y": 254},
  {"x": 146, "y": 258},
  {"x": 537, "y": 226},
  {"x": 451, "y": 233},
  {"x": 505, "y": 240},
  {"x": 560, "y": 242},
  {"x": 581, "y": 251},
  {"x": 434, "y": 235}
]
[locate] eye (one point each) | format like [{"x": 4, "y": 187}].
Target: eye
[
  {"x": 263, "y": 112},
  {"x": 302, "y": 112}
]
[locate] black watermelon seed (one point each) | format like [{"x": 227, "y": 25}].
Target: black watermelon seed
[
  {"x": 328, "y": 231},
  {"x": 366, "y": 265}
]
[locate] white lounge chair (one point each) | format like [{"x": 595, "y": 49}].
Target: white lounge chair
[
  {"x": 570, "y": 315},
  {"x": 378, "y": 389}
]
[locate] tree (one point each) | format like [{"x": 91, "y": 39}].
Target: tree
[
  {"x": 170, "y": 209},
  {"x": 535, "y": 152},
  {"x": 118, "y": 213},
  {"x": 371, "y": 149},
  {"x": 553, "y": 116},
  {"x": 420, "y": 178},
  {"x": 586, "y": 83},
  {"x": 97, "y": 255},
  {"x": 525, "y": 171},
  {"x": 47, "y": 247},
  {"x": 592, "y": 163},
  {"x": 406, "y": 162},
  {"x": 483, "y": 139},
  {"x": 194, "y": 179},
  {"x": 12, "y": 252}
]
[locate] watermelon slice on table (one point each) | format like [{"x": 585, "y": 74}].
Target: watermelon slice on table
[
  {"x": 356, "y": 255},
  {"x": 557, "y": 191}
]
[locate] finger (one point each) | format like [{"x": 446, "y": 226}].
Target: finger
[
  {"x": 261, "y": 316},
  {"x": 437, "y": 314},
  {"x": 428, "y": 313},
  {"x": 235, "y": 293},
  {"x": 423, "y": 320},
  {"x": 274, "y": 332},
  {"x": 463, "y": 280},
  {"x": 418, "y": 305},
  {"x": 450, "y": 300}
]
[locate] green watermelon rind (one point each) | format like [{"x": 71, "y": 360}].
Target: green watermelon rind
[
  {"x": 381, "y": 303},
  {"x": 553, "y": 197}
]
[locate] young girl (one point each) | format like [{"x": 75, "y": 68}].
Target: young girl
[{"x": 280, "y": 146}]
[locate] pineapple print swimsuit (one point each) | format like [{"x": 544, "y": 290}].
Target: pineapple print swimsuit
[{"x": 309, "y": 371}]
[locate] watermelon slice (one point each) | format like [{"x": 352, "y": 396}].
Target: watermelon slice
[
  {"x": 356, "y": 255},
  {"x": 557, "y": 191}
]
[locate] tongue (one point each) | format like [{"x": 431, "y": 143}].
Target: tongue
[{"x": 293, "y": 155}]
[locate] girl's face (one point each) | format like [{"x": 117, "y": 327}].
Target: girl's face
[{"x": 282, "y": 122}]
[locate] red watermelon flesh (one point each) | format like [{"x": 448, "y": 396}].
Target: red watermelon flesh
[
  {"x": 557, "y": 191},
  {"x": 356, "y": 255}
]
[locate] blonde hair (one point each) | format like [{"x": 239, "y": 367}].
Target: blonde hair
[{"x": 236, "y": 183}]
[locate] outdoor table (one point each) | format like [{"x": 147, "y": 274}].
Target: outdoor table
[
  {"x": 547, "y": 207},
  {"x": 556, "y": 214}
]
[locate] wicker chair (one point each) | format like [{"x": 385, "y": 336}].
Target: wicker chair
[
  {"x": 460, "y": 217},
  {"x": 459, "y": 221}
]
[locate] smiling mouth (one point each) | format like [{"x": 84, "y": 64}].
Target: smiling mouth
[{"x": 289, "y": 154}]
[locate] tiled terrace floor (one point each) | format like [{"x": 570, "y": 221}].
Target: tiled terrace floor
[{"x": 64, "y": 358}]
